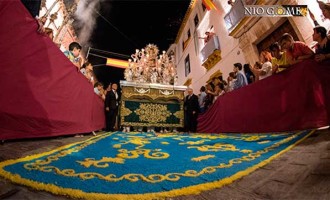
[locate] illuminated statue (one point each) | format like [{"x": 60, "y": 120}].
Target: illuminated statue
[
  {"x": 128, "y": 74},
  {"x": 166, "y": 78},
  {"x": 154, "y": 76},
  {"x": 147, "y": 67}
]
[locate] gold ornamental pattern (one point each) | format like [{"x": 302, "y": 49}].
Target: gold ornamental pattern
[
  {"x": 129, "y": 92},
  {"x": 125, "y": 111},
  {"x": 152, "y": 113}
]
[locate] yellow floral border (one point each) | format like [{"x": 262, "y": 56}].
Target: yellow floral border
[{"x": 160, "y": 195}]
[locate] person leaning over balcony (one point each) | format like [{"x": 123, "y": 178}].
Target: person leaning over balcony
[
  {"x": 74, "y": 54},
  {"x": 266, "y": 67},
  {"x": 215, "y": 81},
  {"x": 322, "y": 48},
  {"x": 231, "y": 80},
  {"x": 279, "y": 60},
  {"x": 325, "y": 8},
  {"x": 99, "y": 90},
  {"x": 87, "y": 71},
  {"x": 219, "y": 90},
  {"x": 240, "y": 76},
  {"x": 208, "y": 36},
  {"x": 257, "y": 65},
  {"x": 296, "y": 51}
]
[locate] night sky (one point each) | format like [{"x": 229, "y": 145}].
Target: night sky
[{"x": 130, "y": 25}]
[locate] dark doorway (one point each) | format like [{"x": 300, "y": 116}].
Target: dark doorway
[{"x": 286, "y": 27}]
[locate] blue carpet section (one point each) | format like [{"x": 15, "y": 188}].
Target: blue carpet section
[{"x": 142, "y": 163}]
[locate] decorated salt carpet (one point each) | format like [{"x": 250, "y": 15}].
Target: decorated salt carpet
[{"x": 148, "y": 166}]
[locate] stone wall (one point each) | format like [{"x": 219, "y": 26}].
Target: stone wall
[{"x": 252, "y": 30}]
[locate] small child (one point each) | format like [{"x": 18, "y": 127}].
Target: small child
[{"x": 74, "y": 54}]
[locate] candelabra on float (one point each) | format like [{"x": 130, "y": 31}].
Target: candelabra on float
[{"x": 146, "y": 66}]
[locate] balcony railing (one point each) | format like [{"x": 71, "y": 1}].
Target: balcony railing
[
  {"x": 211, "y": 53},
  {"x": 210, "y": 46},
  {"x": 236, "y": 13}
]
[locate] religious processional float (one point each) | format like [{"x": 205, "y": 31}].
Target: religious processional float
[{"x": 150, "y": 96}]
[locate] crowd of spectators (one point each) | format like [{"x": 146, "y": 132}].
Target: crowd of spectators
[{"x": 278, "y": 57}]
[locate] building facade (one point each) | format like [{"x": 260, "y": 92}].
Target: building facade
[
  {"x": 60, "y": 16},
  {"x": 237, "y": 38}
]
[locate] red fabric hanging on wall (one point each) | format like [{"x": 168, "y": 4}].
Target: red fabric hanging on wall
[
  {"x": 42, "y": 93},
  {"x": 296, "y": 99}
]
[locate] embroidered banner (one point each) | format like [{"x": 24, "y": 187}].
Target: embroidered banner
[
  {"x": 150, "y": 104},
  {"x": 135, "y": 113}
]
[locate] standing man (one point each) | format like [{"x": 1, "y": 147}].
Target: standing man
[
  {"x": 241, "y": 79},
  {"x": 111, "y": 107},
  {"x": 191, "y": 108}
]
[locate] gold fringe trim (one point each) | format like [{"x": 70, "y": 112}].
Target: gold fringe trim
[{"x": 191, "y": 190}]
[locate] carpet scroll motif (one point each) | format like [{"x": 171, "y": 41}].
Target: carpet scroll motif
[{"x": 146, "y": 165}]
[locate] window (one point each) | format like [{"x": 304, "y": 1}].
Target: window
[
  {"x": 187, "y": 65},
  {"x": 186, "y": 41},
  {"x": 196, "y": 20}
]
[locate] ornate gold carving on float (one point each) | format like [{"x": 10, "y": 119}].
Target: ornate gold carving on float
[
  {"x": 150, "y": 96},
  {"x": 125, "y": 111}
]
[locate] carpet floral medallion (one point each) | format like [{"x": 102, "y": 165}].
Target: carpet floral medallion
[{"x": 148, "y": 166}]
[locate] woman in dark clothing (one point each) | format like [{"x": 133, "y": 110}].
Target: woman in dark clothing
[{"x": 248, "y": 73}]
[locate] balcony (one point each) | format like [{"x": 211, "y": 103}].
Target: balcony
[
  {"x": 211, "y": 54},
  {"x": 237, "y": 14}
]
